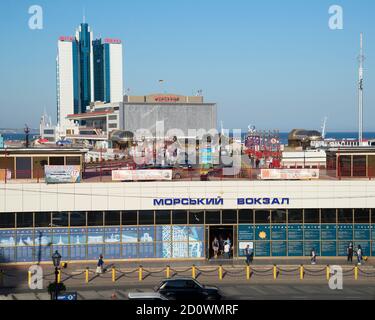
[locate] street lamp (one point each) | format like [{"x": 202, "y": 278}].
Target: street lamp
[{"x": 56, "y": 259}]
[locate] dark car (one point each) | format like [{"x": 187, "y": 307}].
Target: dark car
[{"x": 187, "y": 289}]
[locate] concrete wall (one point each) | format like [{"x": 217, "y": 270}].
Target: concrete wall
[{"x": 16, "y": 197}]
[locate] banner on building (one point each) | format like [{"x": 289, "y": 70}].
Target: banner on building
[
  {"x": 5, "y": 174},
  {"x": 62, "y": 174},
  {"x": 289, "y": 174},
  {"x": 141, "y": 175}
]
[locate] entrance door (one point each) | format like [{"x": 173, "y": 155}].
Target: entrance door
[{"x": 222, "y": 234}]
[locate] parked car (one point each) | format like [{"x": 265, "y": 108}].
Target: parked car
[
  {"x": 155, "y": 296},
  {"x": 187, "y": 289}
]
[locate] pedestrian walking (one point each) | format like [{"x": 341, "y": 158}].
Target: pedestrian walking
[
  {"x": 226, "y": 250},
  {"x": 221, "y": 245},
  {"x": 230, "y": 246},
  {"x": 215, "y": 247},
  {"x": 249, "y": 255},
  {"x": 359, "y": 255},
  {"x": 313, "y": 256},
  {"x": 350, "y": 252},
  {"x": 99, "y": 266}
]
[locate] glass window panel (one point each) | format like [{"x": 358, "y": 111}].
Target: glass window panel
[
  {"x": 213, "y": 217},
  {"x": 361, "y": 216},
  {"x": 328, "y": 215},
  {"x": 295, "y": 216},
  {"x": 262, "y": 216},
  {"x": 56, "y": 161},
  {"x": 95, "y": 235},
  {"x": 146, "y": 217},
  {"x": 196, "y": 217},
  {"x": 7, "y": 220},
  {"x": 179, "y": 217},
  {"x": 25, "y": 219},
  {"x": 345, "y": 166},
  {"x": 180, "y": 233},
  {"x": 345, "y": 215},
  {"x": 359, "y": 166},
  {"x": 112, "y": 218},
  {"x": 112, "y": 235},
  {"x": 60, "y": 219},
  {"x": 78, "y": 236},
  {"x": 373, "y": 218},
  {"x": 164, "y": 233},
  {"x": 246, "y": 216},
  {"x": 229, "y": 216},
  {"x": 73, "y": 161},
  {"x": 311, "y": 216},
  {"x": 23, "y": 165},
  {"x": 42, "y": 219},
  {"x": 162, "y": 217},
  {"x": 129, "y": 218},
  {"x": 146, "y": 234},
  {"x": 95, "y": 218},
  {"x": 130, "y": 234},
  {"x": 278, "y": 216},
  {"x": 78, "y": 219}
]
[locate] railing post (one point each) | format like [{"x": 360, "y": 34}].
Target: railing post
[
  {"x": 59, "y": 276},
  {"x": 29, "y": 278},
  {"x": 328, "y": 272},
  {"x": 168, "y": 272},
  {"x": 87, "y": 275},
  {"x": 193, "y": 271},
  {"x": 140, "y": 273},
  {"x": 220, "y": 272},
  {"x": 355, "y": 273},
  {"x": 248, "y": 273},
  {"x": 113, "y": 274},
  {"x": 301, "y": 272},
  {"x": 274, "y": 272}
]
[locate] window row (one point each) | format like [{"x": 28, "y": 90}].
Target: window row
[{"x": 162, "y": 217}]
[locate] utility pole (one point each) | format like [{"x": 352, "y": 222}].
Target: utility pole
[{"x": 361, "y": 59}]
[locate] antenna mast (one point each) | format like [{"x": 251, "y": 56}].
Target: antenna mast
[{"x": 361, "y": 59}]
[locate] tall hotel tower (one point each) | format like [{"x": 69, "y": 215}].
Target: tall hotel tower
[{"x": 87, "y": 70}]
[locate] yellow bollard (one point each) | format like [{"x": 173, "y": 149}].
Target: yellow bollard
[
  {"x": 193, "y": 271},
  {"x": 29, "y": 278},
  {"x": 59, "y": 276},
  {"x": 274, "y": 272},
  {"x": 140, "y": 271},
  {"x": 355, "y": 273},
  {"x": 301, "y": 272},
  {"x": 328, "y": 272},
  {"x": 248, "y": 273},
  {"x": 168, "y": 271},
  {"x": 221, "y": 272},
  {"x": 113, "y": 274},
  {"x": 87, "y": 275}
]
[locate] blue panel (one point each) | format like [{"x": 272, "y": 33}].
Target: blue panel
[
  {"x": 78, "y": 252},
  {"x": 146, "y": 250},
  {"x": 362, "y": 232},
  {"x": 7, "y": 238},
  {"x": 373, "y": 232},
  {"x": 163, "y": 250},
  {"x": 312, "y": 232},
  {"x": 25, "y": 237},
  {"x": 129, "y": 234},
  {"x": 95, "y": 235},
  {"x": 78, "y": 236},
  {"x": 43, "y": 237},
  {"x": 278, "y": 248},
  {"x": 25, "y": 254},
  {"x": 146, "y": 234},
  {"x": 329, "y": 248},
  {"x": 262, "y": 232},
  {"x": 262, "y": 248},
  {"x": 180, "y": 249},
  {"x": 43, "y": 253},
  {"x": 180, "y": 233},
  {"x": 196, "y": 249},
  {"x": 366, "y": 248},
  {"x": 345, "y": 232},
  {"x": 279, "y": 232},
  {"x": 112, "y": 235},
  {"x": 295, "y": 248},
  {"x": 309, "y": 245},
  {"x": 130, "y": 250},
  {"x": 196, "y": 234},
  {"x": 112, "y": 251},
  {"x": 342, "y": 248},
  {"x": 329, "y": 231},
  {"x": 94, "y": 251},
  {"x": 245, "y": 232},
  {"x": 295, "y": 232},
  {"x": 373, "y": 248},
  {"x": 163, "y": 233},
  {"x": 60, "y": 236},
  {"x": 63, "y": 250},
  {"x": 7, "y": 254}
]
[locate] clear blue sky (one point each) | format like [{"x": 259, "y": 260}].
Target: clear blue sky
[{"x": 272, "y": 63}]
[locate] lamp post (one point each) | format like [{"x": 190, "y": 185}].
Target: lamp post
[{"x": 56, "y": 258}]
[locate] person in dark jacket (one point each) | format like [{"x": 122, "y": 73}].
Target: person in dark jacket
[
  {"x": 350, "y": 252},
  {"x": 99, "y": 267}
]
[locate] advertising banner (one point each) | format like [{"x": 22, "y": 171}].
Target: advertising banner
[
  {"x": 142, "y": 175},
  {"x": 62, "y": 174},
  {"x": 289, "y": 174},
  {"x": 278, "y": 248}
]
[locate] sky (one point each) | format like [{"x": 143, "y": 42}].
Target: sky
[{"x": 273, "y": 64}]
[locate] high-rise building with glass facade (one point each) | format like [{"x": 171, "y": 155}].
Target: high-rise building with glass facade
[{"x": 87, "y": 70}]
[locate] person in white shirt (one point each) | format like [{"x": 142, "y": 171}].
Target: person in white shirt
[{"x": 226, "y": 250}]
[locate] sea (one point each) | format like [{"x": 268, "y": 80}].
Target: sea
[{"x": 283, "y": 136}]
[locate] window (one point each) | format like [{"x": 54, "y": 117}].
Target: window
[
  {"x": 23, "y": 165},
  {"x": 56, "y": 161},
  {"x": 229, "y": 216},
  {"x": 373, "y": 216},
  {"x": 311, "y": 216},
  {"x": 95, "y": 218},
  {"x": 129, "y": 218},
  {"x": 262, "y": 216},
  {"x": 163, "y": 217},
  {"x": 42, "y": 219},
  {"x": 359, "y": 166},
  {"x": 361, "y": 216},
  {"x": 179, "y": 217},
  {"x": 345, "y": 166},
  {"x": 78, "y": 219},
  {"x": 112, "y": 117},
  {"x": 328, "y": 215},
  {"x": 60, "y": 219},
  {"x": 246, "y": 216},
  {"x": 146, "y": 217},
  {"x": 345, "y": 215},
  {"x": 112, "y": 218},
  {"x": 213, "y": 217},
  {"x": 278, "y": 216},
  {"x": 196, "y": 217},
  {"x": 7, "y": 220},
  {"x": 112, "y": 125},
  {"x": 295, "y": 216},
  {"x": 73, "y": 161},
  {"x": 25, "y": 219}
]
